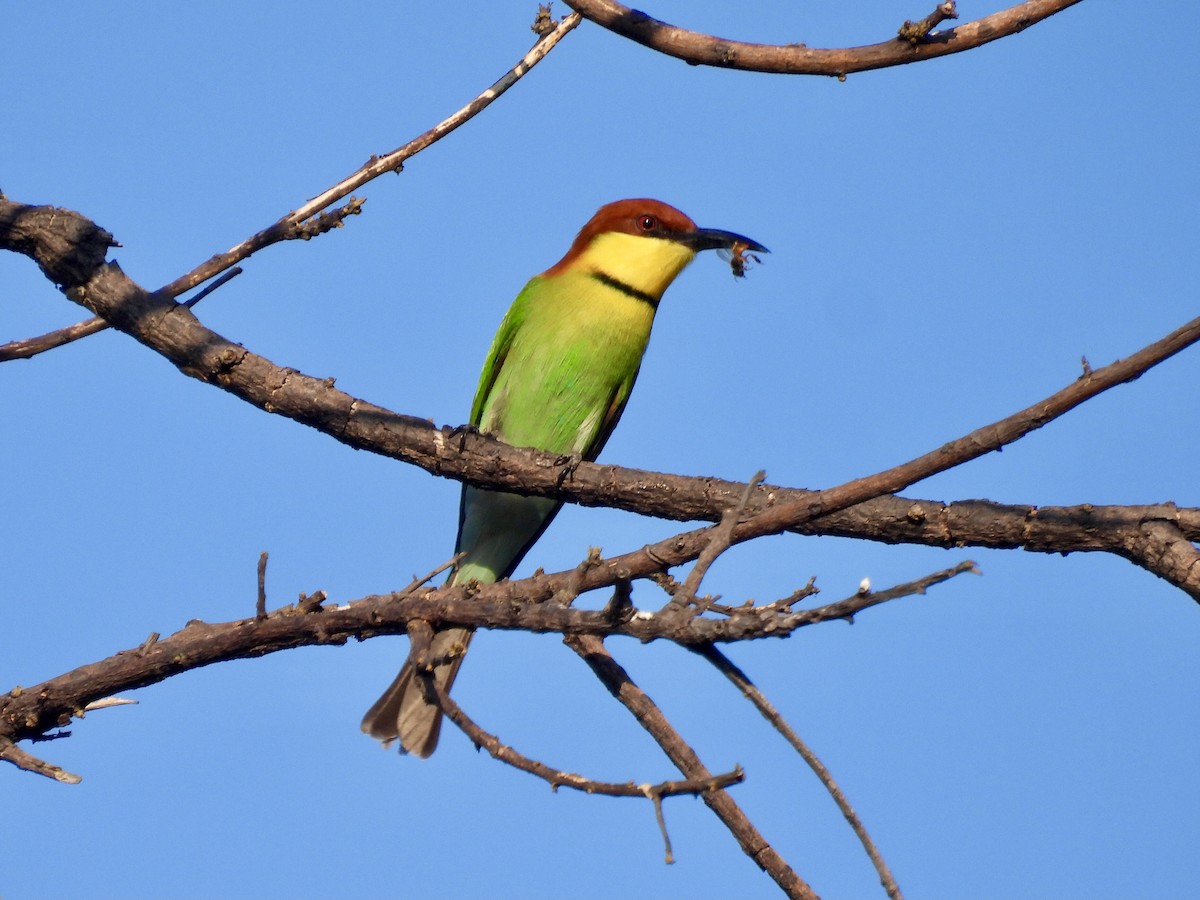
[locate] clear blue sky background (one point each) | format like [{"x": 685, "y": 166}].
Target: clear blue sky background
[{"x": 948, "y": 240}]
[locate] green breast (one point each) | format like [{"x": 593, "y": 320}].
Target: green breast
[{"x": 574, "y": 354}]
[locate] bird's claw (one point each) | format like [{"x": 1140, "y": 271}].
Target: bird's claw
[
  {"x": 567, "y": 465},
  {"x": 461, "y": 433}
]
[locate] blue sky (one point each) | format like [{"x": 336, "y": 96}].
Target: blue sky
[{"x": 947, "y": 240}]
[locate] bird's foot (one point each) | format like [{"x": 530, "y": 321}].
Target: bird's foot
[{"x": 567, "y": 465}]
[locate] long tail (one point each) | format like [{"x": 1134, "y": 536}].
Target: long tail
[
  {"x": 402, "y": 713},
  {"x": 495, "y": 531}
]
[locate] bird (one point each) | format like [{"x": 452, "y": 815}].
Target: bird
[{"x": 557, "y": 378}]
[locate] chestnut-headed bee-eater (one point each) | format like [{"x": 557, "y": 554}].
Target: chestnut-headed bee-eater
[{"x": 557, "y": 378}]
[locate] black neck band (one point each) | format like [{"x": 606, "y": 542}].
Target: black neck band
[{"x": 627, "y": 289}]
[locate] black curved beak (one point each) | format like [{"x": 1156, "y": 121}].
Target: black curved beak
[{"x": 715, "y": 239}]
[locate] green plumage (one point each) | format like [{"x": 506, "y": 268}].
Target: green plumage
[{"x": 557, "y": 377}]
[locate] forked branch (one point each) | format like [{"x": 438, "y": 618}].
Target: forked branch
[
  {"x": 592, "y": 651},
  {"x": 420, "y": 633}
]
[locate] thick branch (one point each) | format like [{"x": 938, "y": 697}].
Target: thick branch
[
  {"x": 527, "y": 605},
  {"x": 797, "y": 59},
  {"x": 172, "y": 331},
  {"x": 1162, "y": 547}
]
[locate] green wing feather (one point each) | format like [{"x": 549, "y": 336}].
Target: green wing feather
[
  {"x": 557, "y": 377},
  {"x": 498, "y": 353}
]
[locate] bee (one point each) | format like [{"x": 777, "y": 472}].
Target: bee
[{"x": 738, "y": 258}]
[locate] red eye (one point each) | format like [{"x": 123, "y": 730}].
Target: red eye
[{"x": 647, "y": 223}]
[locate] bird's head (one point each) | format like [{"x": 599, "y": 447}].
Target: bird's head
[{"x": 644, "y": 244}]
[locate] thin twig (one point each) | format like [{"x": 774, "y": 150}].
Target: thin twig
[
  {"x": 10, "y": 752},
  {"x": 295, "y": 224},
  {"x": 593, "y": 652},
  {"x": 743, "y": 683},
  {"x": 208, "y": 289},
  {"x": 721, "y": 535},
  {"x": 802, "y": 593},
  {"x": 423, "y": 580},
  {"x": 31, "y": 347},
  {"x": 656, "y": 799},
  {"x": 376, "y": 166},
  {"x": 557, "y": 778},
  {"x": 27, "y": 348},
  {"x": 851, "y": 606}
]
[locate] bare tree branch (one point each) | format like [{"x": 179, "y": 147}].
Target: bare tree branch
[
  {"x": 593, "y": 652},
  {"x": 45, "y": 233},
  {"x": 844, "y": 609},
  {"x": 718, "y": 543},
  {"x": 530, "y": 604},
  {"x": 743, "y": 683},
  {"x": 27, "y": 348},
  {"x": 557, "y": 778},
  {"x": 1161, "y": 547},
  {"x": 288, "y": 226},
  {"x": 308, "y": 220},
  {"x": 10, "y": 752},
  {"x": 915, "y": 32},
  {"x": 797, "y": 59},
  {"x": 865, "y": 599},
  {"x": 260, "y": 607}
]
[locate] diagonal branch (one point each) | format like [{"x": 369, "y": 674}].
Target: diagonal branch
[
  {"x": 750, "y": 691},
  {"x": 373, "y": 168},
  {"x": 308, "y": 220},
  {"x": 718, "y": 543},
  {"x": 865, "y": 599},
  {"x": 593, "y": 652},
  {"x": 843, "y": 609},
  {"x": 797, "y": 59},
  {"x": 27, "y": 348},
  {"x": 557, "y": 778},
  {"x": 10, "y": 752}
]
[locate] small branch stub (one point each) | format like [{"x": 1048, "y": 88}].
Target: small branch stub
[
  {"x": 915, "y": 32},
  {"x": 260, "y": 606},
  {"x": 543, "y": 22}
]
